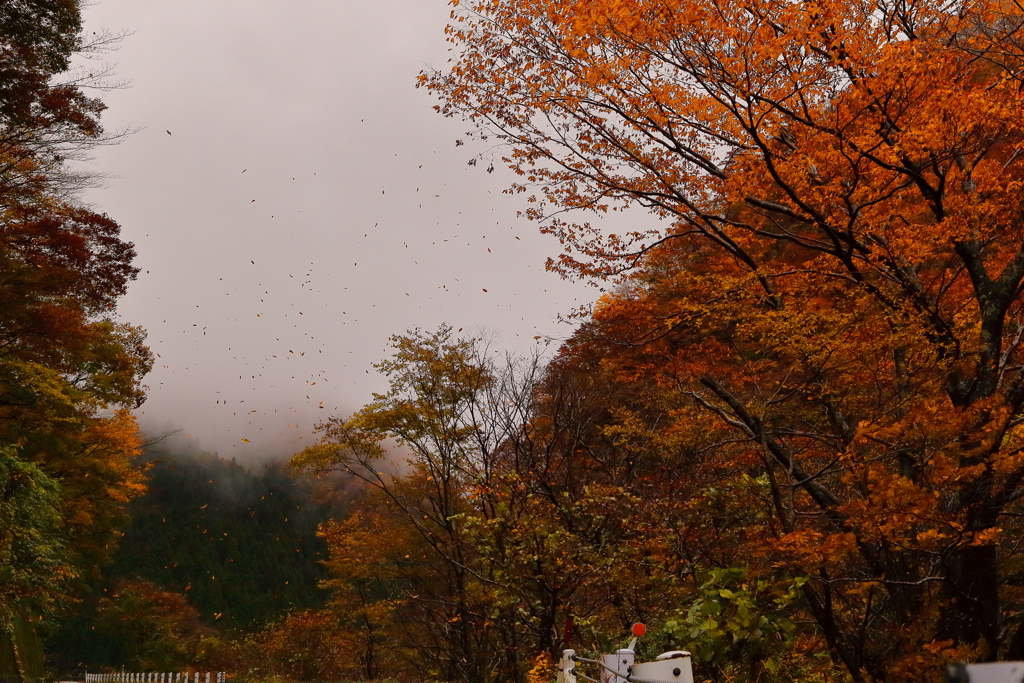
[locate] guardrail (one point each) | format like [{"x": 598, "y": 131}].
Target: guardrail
[{"x": 158, "y": 677}]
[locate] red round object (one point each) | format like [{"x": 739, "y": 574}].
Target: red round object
[{"x": 639, "y": 629}]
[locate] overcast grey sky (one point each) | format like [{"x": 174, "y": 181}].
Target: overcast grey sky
[{"x": 294, "y": 200}]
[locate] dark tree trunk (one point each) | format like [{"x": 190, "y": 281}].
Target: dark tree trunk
[{"x": 972, "y": 588}]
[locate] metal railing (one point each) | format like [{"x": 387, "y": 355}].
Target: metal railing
[{"x": 158, "y": 677}]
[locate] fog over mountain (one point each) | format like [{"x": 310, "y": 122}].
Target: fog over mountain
[{"x": 294, "y": 201}]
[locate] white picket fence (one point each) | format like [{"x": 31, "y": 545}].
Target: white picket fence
[{"x": 153, "y": 677}]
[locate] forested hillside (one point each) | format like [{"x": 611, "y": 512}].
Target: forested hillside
[
  {"x": 238, "y": 546},
  {"x": 242, "y": 543}
]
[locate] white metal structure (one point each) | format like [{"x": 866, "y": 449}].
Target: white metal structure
[
  {"x": 992, "y": 672},
  {"x": 669, "y": 667}
]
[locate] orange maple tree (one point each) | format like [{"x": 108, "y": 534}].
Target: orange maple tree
[{"x": 832, "y": 296}]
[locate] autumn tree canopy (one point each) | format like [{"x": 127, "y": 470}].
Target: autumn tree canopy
[
  {"x": 833, "y": 297},
  {"x": 70, "y": 370},
  {"x": 466, "y": 556}
]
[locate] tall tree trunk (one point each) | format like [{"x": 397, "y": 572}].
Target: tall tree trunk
[{"x": 972, "y": 588}]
